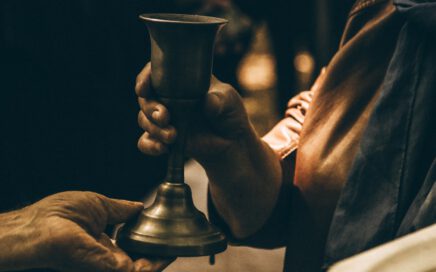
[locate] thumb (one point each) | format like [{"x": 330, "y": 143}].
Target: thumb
[
  {"x": 224, "y": 110},
  {"x": 119, "y": 211},
  {"x": 219, "y": 99},
  {"x": 214, "y": 104}
]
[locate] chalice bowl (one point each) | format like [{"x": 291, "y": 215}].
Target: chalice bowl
[{"x": 181, "y": 64}]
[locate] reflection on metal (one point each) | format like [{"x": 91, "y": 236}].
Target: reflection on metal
[
  {"x": 181, "y": 60},
  {"x": 414, "y": 252}
]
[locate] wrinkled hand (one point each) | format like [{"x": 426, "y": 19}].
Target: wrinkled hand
[
  {"x": 221, "y": 124},
  {"x": 68, "y": 229}
]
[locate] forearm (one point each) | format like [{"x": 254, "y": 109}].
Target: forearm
[
  {"x": 244, "y": 184},
  {"x": 18, "y": 240}
]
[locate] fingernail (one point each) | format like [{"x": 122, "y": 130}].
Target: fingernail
[{"x": 155, "y": 115}]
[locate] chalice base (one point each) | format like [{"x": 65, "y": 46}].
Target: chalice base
[{"x": 171, "y": 227}]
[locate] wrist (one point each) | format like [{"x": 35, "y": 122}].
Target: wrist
[
  {"x": 244, "y": 184},
  {"x": 235, "y": 157}
]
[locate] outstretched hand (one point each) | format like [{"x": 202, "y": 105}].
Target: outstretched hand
[{"x": 65, "y": 232}]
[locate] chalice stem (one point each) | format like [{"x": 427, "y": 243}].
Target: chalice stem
[{"x": 176, "y": 160}]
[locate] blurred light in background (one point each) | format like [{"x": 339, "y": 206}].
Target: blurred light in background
[
  {"x": 304, "y": 64},
  {"x": 257, "y": 72},
  {"x": 257, "y": 76}
]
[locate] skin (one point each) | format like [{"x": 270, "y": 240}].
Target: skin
[
  {"x": 65, "y": 232},
  {"x": 244, "y": 173}
]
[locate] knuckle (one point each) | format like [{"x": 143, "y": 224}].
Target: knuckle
[
  {"x": 91, "y": 195},
  {"x": 149, "y": 108},
  {"x": 143, "y": 140},
  {"x": 153, "y": 130},
  {"x": 144, "y": 145},
  {"x": 138, "y": 85},
  {"x": 139, "y": 117},
  {"x": 141, "y": 120}
]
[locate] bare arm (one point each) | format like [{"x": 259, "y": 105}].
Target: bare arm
[
  {"x": 245, "y": 172},
  {"x": 244, "y": 184}
]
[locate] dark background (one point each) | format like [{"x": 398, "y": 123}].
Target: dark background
[{"x": 67, "y": 72}]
